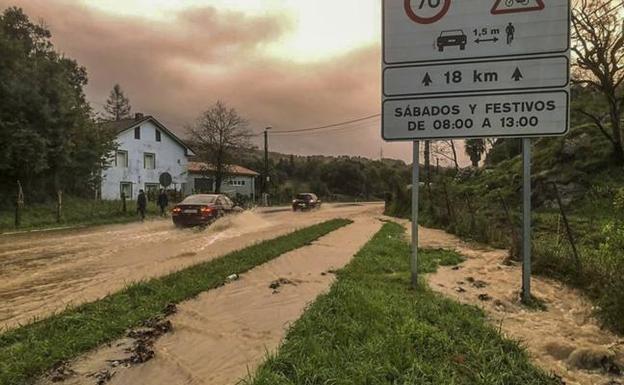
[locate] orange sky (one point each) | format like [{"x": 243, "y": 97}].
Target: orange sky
[{"x": 285, "y": 63}]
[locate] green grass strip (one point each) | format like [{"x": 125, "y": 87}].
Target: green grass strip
[
  {"x": 371, "y": 328},
  {"x": 27, "y": 352}
]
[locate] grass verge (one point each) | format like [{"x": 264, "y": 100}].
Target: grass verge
[
  {"x": 372, "y": 329},
  {"x": 28, "y": 352},
  {"x": 76, "y": 212}
]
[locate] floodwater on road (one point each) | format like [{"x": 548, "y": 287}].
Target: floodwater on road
[{"x": 44, "y": 273}]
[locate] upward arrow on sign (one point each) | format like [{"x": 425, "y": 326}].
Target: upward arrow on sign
[
  {"x": 513, "y": 6},
  {"x": 517, "y": 75},
  {"x": 427, "y": 80}
]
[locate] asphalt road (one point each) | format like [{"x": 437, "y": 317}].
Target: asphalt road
[{"x": 43, "y": 273}]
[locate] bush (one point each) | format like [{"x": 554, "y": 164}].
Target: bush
[{"x": 610, "y": 266}]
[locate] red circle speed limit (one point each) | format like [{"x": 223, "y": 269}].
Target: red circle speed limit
[{"x": 426, "y": 11}]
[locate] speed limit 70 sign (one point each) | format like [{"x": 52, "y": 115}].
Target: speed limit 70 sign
[
  {"x": 429, "y": 11},
  {"x": 473, "y": 68}
]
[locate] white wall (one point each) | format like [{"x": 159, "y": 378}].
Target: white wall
[
  {"x": 170, "y": 157},
  {"x": 248, "y": 189}
]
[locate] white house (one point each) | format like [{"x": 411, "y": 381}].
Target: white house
[
  {"x": 239, "y": 180},
  {"x": 146, "y": 150}
]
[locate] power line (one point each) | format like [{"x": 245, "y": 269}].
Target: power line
[
  {"x": 333, "y": 130},
  {"x": 327, "y": 126}
]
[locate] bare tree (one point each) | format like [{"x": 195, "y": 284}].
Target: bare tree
[
  {"x": 598, "y": 50},
  {"x": 117, "y": 105},
  {"x": 447, "y": 150},
  {"x": 218, "y": 134}
]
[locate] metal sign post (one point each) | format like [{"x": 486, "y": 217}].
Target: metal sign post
[
  {"x": 526, "y": 220},
  {"x": 415, "y": 191},
  {"x": 476, "y": 69}
]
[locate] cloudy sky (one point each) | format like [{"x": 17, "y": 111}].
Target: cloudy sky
[{"x": 289, "y": 64}]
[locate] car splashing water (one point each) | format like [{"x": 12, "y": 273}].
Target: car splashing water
[{"x": 231, "y": 226}]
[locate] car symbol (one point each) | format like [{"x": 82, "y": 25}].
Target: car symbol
[{"x": 452, "y": 38}]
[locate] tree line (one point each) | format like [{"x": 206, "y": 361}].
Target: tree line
[{"x": 49, "y": 138}]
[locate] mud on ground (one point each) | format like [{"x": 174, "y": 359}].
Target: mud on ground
[{"x": 562, "y": 337}]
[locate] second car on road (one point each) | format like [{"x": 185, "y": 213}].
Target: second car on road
[{"x": 306, "y": 201}]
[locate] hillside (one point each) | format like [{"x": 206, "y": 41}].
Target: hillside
[{"x": 332, "y": 178}]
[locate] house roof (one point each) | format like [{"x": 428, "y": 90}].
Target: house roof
[
  {"x": 120, "y": 126},
  {"x": 199, "y": 167}
]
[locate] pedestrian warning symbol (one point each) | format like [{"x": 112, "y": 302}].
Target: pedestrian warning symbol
[{"x": 513, "y": 6}]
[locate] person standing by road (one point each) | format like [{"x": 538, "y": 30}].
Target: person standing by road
[
  {"x": 141, "y": 204},
  {"x": 163, "y": 202}
]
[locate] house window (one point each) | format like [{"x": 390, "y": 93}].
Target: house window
[
  {"x": 137, "y": 132},
  {"x": 125, "y": 190},
  {"x": 121, "y": 159},
  {"x": 158, "y": 137},
  {"x": 149, "y": 161}
]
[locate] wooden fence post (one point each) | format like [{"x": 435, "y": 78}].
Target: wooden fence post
[
  {"x": 59, "y": 206},
  {"x": 19, "y": 203},
  {"x": 449, "y": 210},
  {"x": 577, "y": 259},
  {"x": 515, "y": 238}
]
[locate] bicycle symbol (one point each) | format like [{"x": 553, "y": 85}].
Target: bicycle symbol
[{"x": 510, "y": 3}]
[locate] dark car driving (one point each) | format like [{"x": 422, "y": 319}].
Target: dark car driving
[
  {"x": 202, "y": 209},
  {"x": 452, "y": 38},
  {"x": 306, "y": 201}
]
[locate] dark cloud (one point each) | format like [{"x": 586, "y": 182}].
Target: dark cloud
[{"x": 173, "y": 69}]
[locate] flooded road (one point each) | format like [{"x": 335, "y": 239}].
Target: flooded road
[{"x": 44, "y": 273}]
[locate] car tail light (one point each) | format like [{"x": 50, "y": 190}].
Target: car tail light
[
  {"x": 176, "y": 210},
  {"x": 206, "y": 210}
]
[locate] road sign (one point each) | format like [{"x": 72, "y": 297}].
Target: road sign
[
  {"x": 471, "y": 116},
  {"x": 470, "y": 29},
  {"x": 165, "y": 179},
  {"x": 461, "y": 69},
  {"x": 435, "y": 50},
  {"x": 470, "y": 77}
]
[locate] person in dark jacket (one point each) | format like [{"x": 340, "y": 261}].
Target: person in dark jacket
[
  {"x": 163, "y": 202},
  {"x": 141, "y": 204}
]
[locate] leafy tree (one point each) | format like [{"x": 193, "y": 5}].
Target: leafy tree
[
  {"x": 219, "y": 134},
  {"x": 475, "y": 148},
  {"x": 598, "y": 49},
  {"x": 117, "y": 105},
  {"x": 49, "y": 140}
]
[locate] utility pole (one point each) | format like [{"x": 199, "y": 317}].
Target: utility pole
[{"x": 265, "y": 182}]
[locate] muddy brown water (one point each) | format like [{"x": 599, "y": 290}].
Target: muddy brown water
[
  {"x": 44, "y": 273},
  {"x": 565, "y": 339},
  {"x": 223, "y": 334}
]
